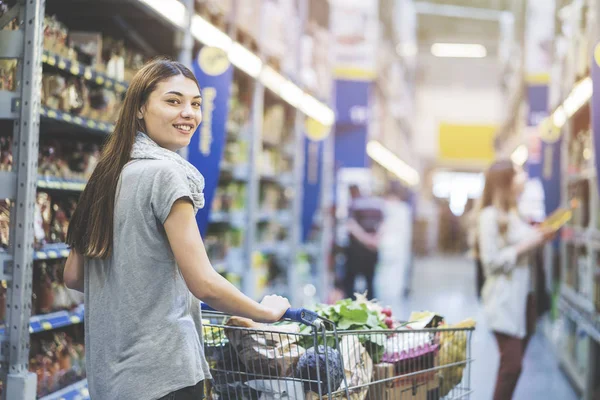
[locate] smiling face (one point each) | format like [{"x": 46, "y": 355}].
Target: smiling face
[{"x": 172, "y": 112}]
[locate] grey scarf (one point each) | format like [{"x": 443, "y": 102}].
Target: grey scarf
[{"x": 145, "y": 148}]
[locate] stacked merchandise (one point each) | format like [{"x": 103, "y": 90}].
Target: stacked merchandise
[
  {"x": 374, "y": 354},
  {"x": 576, "y": 333}
]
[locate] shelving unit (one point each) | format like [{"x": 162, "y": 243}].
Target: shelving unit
[
  {"x": 153, "y": 32},
  {"x": 578, "y": 305}
]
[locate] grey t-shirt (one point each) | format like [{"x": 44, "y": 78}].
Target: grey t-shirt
[{"x": 143, "y": 333}]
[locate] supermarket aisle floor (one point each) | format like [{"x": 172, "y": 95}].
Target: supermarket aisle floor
[{"x": 445, "y": 284}]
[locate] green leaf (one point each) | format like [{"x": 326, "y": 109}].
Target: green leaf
[
  {"x": 373, "y": 321},
  {"x": 345, "y": 324},
  {"x": 356, "y": 314}
]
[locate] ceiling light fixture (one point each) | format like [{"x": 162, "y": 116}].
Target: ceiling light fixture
[
  {"x": 392, "y": 163},
  {"x": 458, "y": 50}
]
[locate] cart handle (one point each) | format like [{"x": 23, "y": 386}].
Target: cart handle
[{"x": 300, "y": 315}]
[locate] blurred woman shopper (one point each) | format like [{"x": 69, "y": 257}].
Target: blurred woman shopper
[
  {"x": 137, "y": 254},
  {"x": 504, "y": 241},
  {"x": 395, "y": 246}
]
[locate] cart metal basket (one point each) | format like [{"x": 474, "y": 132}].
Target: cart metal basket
[{"x": 278, "y": 362}]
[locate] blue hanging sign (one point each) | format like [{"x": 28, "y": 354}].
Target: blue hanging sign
[
  {"x": 312, "y": 174},
  {"x": 595, "y": 107},
  {"x": 537, "y": 96},
  {"x": 214, "y": 74},
  {"x": 351, "y": 127},
  {"x": 550, "y": 168}
]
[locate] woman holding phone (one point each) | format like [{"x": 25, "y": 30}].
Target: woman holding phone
[
  {"x": 138, "y": 256},
  {"x": 504, "y": 241}
]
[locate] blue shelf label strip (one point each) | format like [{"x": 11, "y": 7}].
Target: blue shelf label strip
[
  {"x": 52, "y": 251},
  {"x": 77, "y": 69},
  {"x": 59, "y": 319},
  {"x": 75, "y": 120},
  {"x": 76, "y": 391}
]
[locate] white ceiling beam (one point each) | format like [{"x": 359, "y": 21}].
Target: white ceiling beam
[{"x": 454, "y": 11}]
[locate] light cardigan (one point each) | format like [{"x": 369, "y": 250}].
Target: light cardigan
[{"x": 508, "y": 276}]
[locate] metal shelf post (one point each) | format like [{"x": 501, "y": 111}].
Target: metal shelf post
[{"x": 20, "y": 384}]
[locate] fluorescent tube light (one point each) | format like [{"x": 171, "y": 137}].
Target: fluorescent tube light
[
  {"x": 291, "y": 93},
  {"x": 559, "y": 118},
  {"x": 519, "y": 155},
  {"x": 580, "y": 94},
  {"x": 317, "y": 110},
  {"x": 392, "y": 163},
  {"x": 458, "y": 50},
  {"x": 272, "y": 79},
  {"x": 210, "y": 35},
  {"x": 245, "y": 60},
  {"x": 172, "y": 10}
]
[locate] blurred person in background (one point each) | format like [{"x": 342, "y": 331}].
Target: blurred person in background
[
  {"x": 365, "y": 216},
  {"x": 503, "y": 243},
  {"x": 395, "y": 246}
]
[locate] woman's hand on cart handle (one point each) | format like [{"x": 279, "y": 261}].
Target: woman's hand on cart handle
[
  {"x": 274, "y": 308},
  {"x": 300, "y": 315}
]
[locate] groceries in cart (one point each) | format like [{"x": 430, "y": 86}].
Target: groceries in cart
[{"x": 355, "y": 350}]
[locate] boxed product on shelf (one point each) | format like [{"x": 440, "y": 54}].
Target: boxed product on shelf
[
  {"x": 88, "y": 46},
  {"x": 73, "y": 95},
  {"x": 580, "y": 152},
  {"x": 579, "y": 201},
  {"x": 55, "y": 37},
  {"x": 5, "y": 206},
  {"x": 49, "y": 291},
  {"x": 8, "y": 74},
  {"x": 57, "y": 359}
]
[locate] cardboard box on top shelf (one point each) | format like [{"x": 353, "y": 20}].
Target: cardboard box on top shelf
[
  {"x": 247, "y": 16},
  {"x": 88, "y": 46},
  {"x": 217, "y": 6}
]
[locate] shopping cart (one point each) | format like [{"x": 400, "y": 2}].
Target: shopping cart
[{"x": 278, "y": 361}]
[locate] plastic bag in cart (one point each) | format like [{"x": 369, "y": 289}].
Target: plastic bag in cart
[
  {"x": 266, "y": 351},
  {"x": 358, "y": 368}
]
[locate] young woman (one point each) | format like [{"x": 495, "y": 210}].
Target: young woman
[
  {"x": 137, "y": 254},
  {"x": 504, "y": 241}
]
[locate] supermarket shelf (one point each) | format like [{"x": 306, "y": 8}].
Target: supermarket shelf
[
  {"x": 582, "y": 175},
  {"x": 76, "y": 121},
  {"x": 56, "y": 320},
  {"x": 575, "y": 235},
  {"x": 235, "y": 218},
  {"x": 45, "y": 182},
  {"x": 280, "y": 248},
  {"x": 52, "y": 251},
  {"x": 588, "y": 322},
  {"x": 577, "y": 299},
  {"x": 85, "y": 71},
  {"x": 76, "y": 391},
  {"x": 572, "y": 372},
  {"x": 237, "y": 172}
]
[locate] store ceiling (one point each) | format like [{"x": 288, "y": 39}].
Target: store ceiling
[{"x": 473, "y": 21}]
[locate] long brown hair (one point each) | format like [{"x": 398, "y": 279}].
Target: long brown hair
[
  {"x": 91, "y": 226},
  {"x": 497, "y": 192},
  {"x": 498, "y": 189}
]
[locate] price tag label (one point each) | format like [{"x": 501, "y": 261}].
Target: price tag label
[
  {"x": 87, "y": 73},
  {"x": 75, "y": 319},
  {"x": 99, "y": 80},
  {"x": 52, "y": 114},
  {"x": 75, "y": 69},
  {"x": 46, "y": 326},
  {"x": 78, "y": 120},
  {"x": 62, "y": 64},
  {"x": 67, "y": 117},
  {"x": 51, "y": 61},
  {"x": 91, "y": 124},
  {"x": 109, "y": 84}
]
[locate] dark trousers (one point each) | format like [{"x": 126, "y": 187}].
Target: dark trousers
[
  {"x": 189, "y": 393},
  {"x": 480, "y": 278},
  {"x": 359, "y": 261},
  {"x": 512, "y": 352}
]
